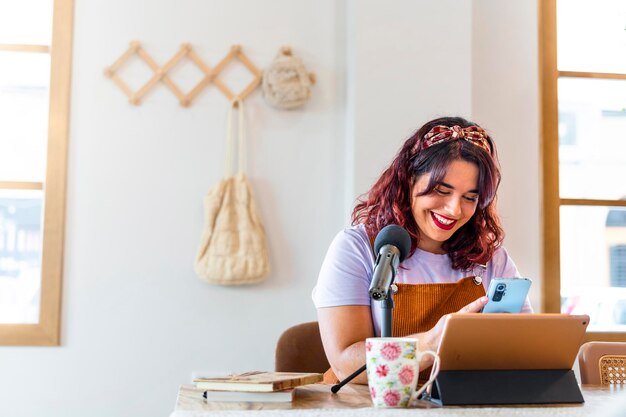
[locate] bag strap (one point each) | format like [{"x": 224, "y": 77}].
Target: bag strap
[{"x": 230, "y": 140}]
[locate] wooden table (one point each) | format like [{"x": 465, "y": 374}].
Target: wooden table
[{"x": 353, "y": 400}]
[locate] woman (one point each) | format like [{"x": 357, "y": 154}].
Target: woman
[{"x": 441, "y": 187}]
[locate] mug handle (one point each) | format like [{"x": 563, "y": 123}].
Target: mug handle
[{"x": 433, "y": 374}]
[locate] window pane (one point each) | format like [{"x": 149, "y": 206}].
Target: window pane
[
  {"x": 593, "y": 265},
  {"x": 20, "y": 255},
  {"x": 592, "y": 138},
  {"x": 24, "y": 88},
  {"x": 591, "y": 35},
  {"x": 26, "y": 21}
]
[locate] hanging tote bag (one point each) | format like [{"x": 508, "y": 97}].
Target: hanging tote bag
[{"x": 233, "y": 247}]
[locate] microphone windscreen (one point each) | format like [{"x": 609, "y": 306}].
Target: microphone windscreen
[{"x": 396, "y": 236}]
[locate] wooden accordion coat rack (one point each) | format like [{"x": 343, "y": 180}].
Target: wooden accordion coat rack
[{"x": 186, "y": 51}]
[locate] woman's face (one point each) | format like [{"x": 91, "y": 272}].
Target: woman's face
[{"x": 448, "y": 207}]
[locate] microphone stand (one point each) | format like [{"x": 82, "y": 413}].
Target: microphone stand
[{"x": 385, "y": 331}]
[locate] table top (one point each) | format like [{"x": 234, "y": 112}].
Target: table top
[{"x": 317, "y": 400}]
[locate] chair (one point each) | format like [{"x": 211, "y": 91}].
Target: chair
[
  {"x": 300, "y": 349},
  {"x": 602, "y": 363}
]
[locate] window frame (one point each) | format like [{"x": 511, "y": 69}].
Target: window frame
[
  {"x": 47, "y": 331},
  {"x": 549, "y": 75}
]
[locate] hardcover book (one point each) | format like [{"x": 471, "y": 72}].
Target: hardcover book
[
  {"x": 256, "y": 381},
  {"x": 283, "y": 396}
]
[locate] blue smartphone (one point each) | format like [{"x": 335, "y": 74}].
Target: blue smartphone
[{"x": 507, "y": 295}]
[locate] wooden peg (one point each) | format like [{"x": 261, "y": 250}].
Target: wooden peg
[
  {"x": 236, "y": 48},
  {"x": 286, "y": 50},
  {"x": 312, "y": 78}
]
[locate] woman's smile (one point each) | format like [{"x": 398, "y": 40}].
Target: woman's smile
[
  {"x": 440, "y": 213},
  {"x": 442, "y": 222}
]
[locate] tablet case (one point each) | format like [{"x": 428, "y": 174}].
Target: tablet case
[{"x": 509, "y": 359}]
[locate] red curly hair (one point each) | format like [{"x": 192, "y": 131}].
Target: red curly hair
[{"x": 389, "y": 199}]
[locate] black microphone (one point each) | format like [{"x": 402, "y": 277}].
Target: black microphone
[{"x": 392, "y": 245}]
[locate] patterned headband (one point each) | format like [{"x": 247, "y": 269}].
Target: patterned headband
[{"x": 473, "y": 134}]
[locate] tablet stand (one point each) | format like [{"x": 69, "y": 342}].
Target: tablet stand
[
  {"x": 385, "y": 331},
  {"x": 487, "y": 387}
]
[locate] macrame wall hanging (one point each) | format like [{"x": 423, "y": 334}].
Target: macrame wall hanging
[{"x": 286, "y": 83}]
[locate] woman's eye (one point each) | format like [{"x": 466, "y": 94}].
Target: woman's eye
[
  {"x": 472, "y": 199},
  {"x": 442, "y": 192}
]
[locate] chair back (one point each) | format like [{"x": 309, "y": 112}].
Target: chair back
[
  {"x": 602, "y": 363},
  {"x": 300, "y": 349}
]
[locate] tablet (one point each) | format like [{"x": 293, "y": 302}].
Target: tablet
[{"x": 511, "y": 341}]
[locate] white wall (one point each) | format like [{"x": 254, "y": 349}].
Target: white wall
[
  {"x": 136, "y": 320},
  {"x": 505, "y": 99},
  {"x": 410, "y": 63}
]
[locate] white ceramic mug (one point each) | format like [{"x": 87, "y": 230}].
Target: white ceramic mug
[{"x": 393, "y": 370}]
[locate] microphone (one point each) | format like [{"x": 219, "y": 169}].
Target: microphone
[{"x": 392, "y": 244}]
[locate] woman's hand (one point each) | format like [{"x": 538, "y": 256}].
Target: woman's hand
[{"x": 430, "y": 340}]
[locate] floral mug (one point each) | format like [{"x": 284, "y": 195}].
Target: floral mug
[{"x": 393, "y": 370}]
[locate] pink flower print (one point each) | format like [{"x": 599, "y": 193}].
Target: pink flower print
[
  {"x": 368, "y": 346},
  {"x": 406, "y": 375},
  {"x": 382, "y": 370},
  {"x": 373, "y": 392},
  {"x": 391, "y": 351},
  {"x": 391, "y": 398}
]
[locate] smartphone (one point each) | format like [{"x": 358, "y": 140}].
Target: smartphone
[{"x": 507, "y": 295}]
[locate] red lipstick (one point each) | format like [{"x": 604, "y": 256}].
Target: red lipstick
[{"x": 441, "y": 225}]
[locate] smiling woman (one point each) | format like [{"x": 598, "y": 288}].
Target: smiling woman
[{"x": 441, "y": 188}]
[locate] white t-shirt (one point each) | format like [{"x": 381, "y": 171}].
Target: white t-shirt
[{"x": 349, "y": 265}]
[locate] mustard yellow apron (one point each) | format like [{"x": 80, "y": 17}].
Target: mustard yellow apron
[{"x": 418, "y": 307}]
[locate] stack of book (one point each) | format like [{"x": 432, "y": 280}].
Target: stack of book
[{"x": 255, "y": 386}]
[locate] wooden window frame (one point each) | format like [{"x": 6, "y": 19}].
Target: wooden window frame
[
  {"x": 47, "y": 331},
  {"x": 549, "y": 122}
]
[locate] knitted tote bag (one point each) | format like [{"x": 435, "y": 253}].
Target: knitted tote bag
[{"x": 233, "y": 247}]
